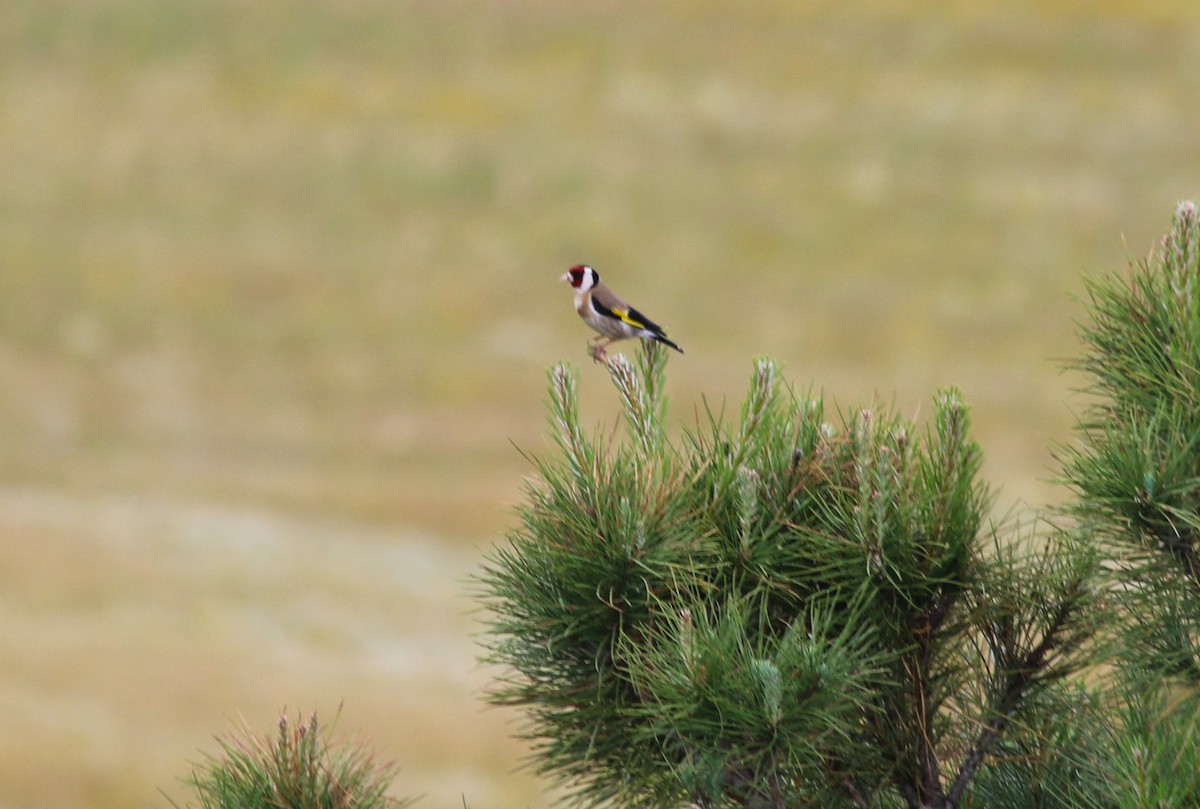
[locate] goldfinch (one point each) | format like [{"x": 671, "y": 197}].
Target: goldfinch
[{"x": 614, "y": 319}]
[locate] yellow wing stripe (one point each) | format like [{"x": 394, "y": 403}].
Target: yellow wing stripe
[{"x": 623, "y": 314}]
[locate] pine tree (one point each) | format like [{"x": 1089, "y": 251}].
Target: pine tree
[
  {"x": 1136, "y": 473},
  {"x": 1137, "y": 469},
  {"x": 802, "y": 608}
]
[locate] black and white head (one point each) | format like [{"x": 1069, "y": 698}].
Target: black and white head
[{"x": 581, "y": 277}]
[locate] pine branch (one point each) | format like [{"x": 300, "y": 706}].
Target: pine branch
[
  {"x": 931, "y": 771},
  {"x": 1020, "y": 680},
  {"x": 927, "y": 790},
  {"x": 1181, "y": 545},
  {"x": 855, "y": 793}
]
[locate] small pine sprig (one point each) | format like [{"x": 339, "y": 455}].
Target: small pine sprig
[
  {"x": 1142, "y": 333},
  {"x": 642, "y": 396},
  {"x": 1152, "y": 748},
  {"x": 564, "y": 420},
  {"x": 298, "y": 768}
]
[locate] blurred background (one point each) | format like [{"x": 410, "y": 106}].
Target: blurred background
[{"x": 278, "y": 295}]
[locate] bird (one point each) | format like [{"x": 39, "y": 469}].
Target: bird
[{"x": 607, "y": 314}]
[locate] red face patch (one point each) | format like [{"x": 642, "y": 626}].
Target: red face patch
[{"x": 576, "y": 274}]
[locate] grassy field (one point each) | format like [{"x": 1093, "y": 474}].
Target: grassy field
[{"x": 278, "y": 297}]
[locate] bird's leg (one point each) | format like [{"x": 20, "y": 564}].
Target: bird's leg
[{"x": 598, "y": 350}]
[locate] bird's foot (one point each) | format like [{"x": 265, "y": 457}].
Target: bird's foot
[{"x": 598, "y": 352}]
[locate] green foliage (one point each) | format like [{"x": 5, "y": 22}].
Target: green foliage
[
  {"x": 295, "y": 770},
  {"x": 735, "y": 708},
  {"x": 1153, "y": 749},
  {"x": 1053, "y": 759},
  {"x": 1137, "y": 469},
  {"x": 1137, "y": 473},
  {"x": 784, "y": 611}
]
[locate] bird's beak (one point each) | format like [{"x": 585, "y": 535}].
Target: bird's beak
[{"x": 565, "y": 277}]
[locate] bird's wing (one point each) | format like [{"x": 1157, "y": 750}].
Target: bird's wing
[{"x": 609, "y": 305}]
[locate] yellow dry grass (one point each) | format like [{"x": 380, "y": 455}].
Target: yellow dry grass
[{"x": 278, "y": 290}]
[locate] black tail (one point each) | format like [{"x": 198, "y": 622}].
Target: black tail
[{"x": 662, "y": 338}]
